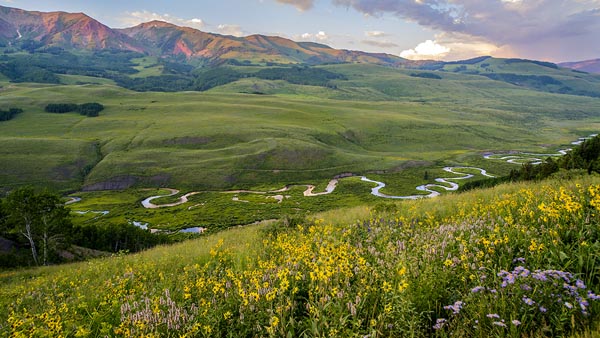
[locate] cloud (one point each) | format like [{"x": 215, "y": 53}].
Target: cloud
[
  {"x": 302, "y": 5},
  {"x": 375, "y": 34},
  {"x": 551, "y": 29},
  {"x": 427, "y": 50},
  {"x": 320, "y": 36},
  {"x": 380, "y": 44},
  {"x": 138, "y": 17},
  {"x": 234, "y": 30}
]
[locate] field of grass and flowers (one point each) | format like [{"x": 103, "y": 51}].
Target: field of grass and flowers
[{"x": 515, "y": 260}]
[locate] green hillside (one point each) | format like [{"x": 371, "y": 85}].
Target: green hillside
[
  {"x": 377, "y": 119},
  {"x": 517, "y": 260}
]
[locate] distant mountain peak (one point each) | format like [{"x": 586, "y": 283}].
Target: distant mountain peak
[{"x": 160, "y": 38}]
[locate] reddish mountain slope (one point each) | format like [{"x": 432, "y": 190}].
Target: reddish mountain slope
[
  {"x": 70, "y": 30},
  {"x": 590, "y": 66},
  {"x": 79, "y": 31}
]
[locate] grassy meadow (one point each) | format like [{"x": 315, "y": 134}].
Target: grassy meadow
[
  {"x": 381, "y": 122},
  {"x": 515, "y": 260}
]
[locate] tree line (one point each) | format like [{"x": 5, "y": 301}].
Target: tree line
[
  {"x": 6, "y": 115},
  {"x": 36, "y": 229},
  {"x": 91, "y": 109}
]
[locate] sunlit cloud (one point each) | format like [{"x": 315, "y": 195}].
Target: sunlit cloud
[
  {"x": 380, "y": 44},
  {"x": 138, "y": 17},
  {"x": 301, "y": 5},
  {"x": 375, "y": 34},
  {"x": 321, "y": 36},
  {"x": 234, "y": 30},
  {"x": 428, "y": 50}
]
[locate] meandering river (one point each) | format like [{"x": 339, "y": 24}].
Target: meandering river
[{"x": 442, "y": 183}]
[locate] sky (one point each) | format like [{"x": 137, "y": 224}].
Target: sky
[{"x": 549, "y": 30}]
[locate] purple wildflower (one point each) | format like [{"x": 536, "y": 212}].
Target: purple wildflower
[
  {"x": 516, "y": 322},
  {"x": 501, "y": 324},
  {"x": 528, "y": 301},
  {"x": 492, "y": 315},
  {"x": 439, "y": 323},
  {"x": 568, "y": 305},
  {"x": 526, "y": 287},
  {"x": 543, "y": 309},
  {"x": 593, "y": 296},
  {"x": 520, "y": 260},
  {"x": 477, "y": 289},
  {"x": 541, "y": 276},
  {"x": 580, "y": 284},
  {"x": 455, "y": 307}
]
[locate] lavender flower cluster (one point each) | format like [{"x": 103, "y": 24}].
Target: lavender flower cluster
[
  {"x": 562, "y": 286},
  {"x": 539, "y": 290}
]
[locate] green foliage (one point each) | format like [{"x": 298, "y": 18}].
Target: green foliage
[
  {"x": 426, "y": 76},
  {"x": 60, "y": 108},
  {"x": 117, "y": 237},
  {"x": 41, "y": 219},
  {"x": 91, "y": 109},
  {"x": 6, "y": 115},
  {"x": 585, "y": 156},
  {"x": 216, "y": 77},
  {"x": 301, "y": 75}
]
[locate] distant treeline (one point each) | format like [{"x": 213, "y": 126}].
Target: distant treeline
[
  {"x": 585, "y": 156},
  {"x": 6, "y": 115},
  {"x": 91, "y": 109}
]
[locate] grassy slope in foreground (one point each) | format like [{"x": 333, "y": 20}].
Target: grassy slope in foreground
[
  {"x": 515, "y": 260},
  {"x": 378, "y": 119}
]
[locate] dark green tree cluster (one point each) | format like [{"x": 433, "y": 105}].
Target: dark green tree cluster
[
  {"x": 426, "y": 76},
  {"x": 36, "y": 227},
  {"x": 60, "y": 108},
  {"x": 91, "y": 109},
  {"x": 586, "y": 156},
  {"x": 36, "y": 220},
  {"x": 6, "y": 115}
]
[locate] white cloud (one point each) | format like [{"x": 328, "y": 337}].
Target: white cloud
[
  {"x": 138, "y": 17},
  {"x": 301, "y": 5},
  {"x": 234, "y": 30},
  {"x": 320, "y": 36},
  {"x": 375, "y": 34},
  {"x": 426, "y": 50}
]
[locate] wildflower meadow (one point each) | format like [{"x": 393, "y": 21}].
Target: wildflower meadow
[{"x": 515, "y": 260}]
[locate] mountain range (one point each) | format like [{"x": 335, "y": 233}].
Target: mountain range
[
  {"x": 157, "y": 38},
  {"x": 590, "y": 66}
]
